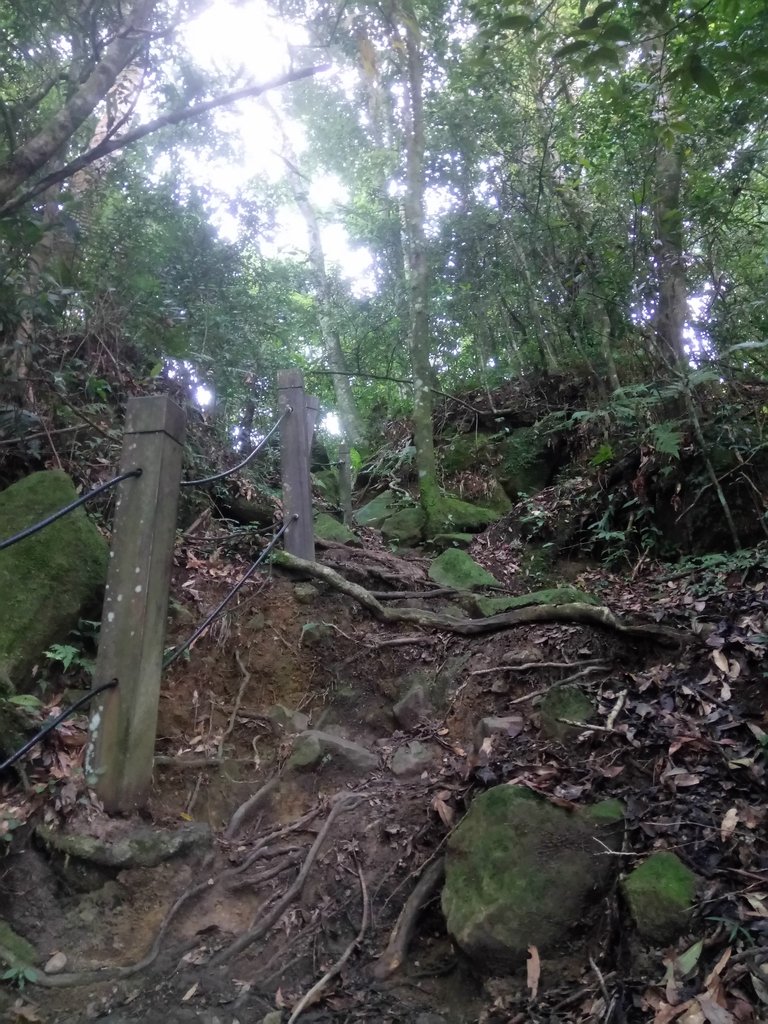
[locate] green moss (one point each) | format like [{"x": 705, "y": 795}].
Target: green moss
[
  {"x": 567, "y": 702},
  {"x": 452, "y": 540},
  {"x": 330, "y": 529},
  {"x": 377, "y": 510},
  {"x": 327, "y": 482},
  {"x": 454, "y": 568},
  {"x": 23, "y": 951},
  {"x": 465, "y": 451},
  {"x": 660, "y": 894},
  {"x": 405, "y": 527},
  {"x": 519, "y": 872},
  {"x": 454, "y": 515},
  {"x": 553, "y": 596},
  {"x": 526, "y": 464},
  {"x": 606, "y": 812},
  {"x": 51, "y": 576}
]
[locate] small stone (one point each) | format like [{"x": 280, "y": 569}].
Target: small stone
[
  {"x": 660, "y": 893},
  {"x": 286, "y": 721},
  {"x": 491, "y": 726},
  {"x": 56, "y": 964},
  {"x": 313, "y": 633},
  {"x": 564, "y": 702},
  {"x": 411, "y": 759},
  {"x": 305, "y": 593},
  {"x": 313, "y": 746},
  {"x": 413, "y": 709},
  {"x": 257, "y": 622},
  {"x": 273, "y": 1017}
]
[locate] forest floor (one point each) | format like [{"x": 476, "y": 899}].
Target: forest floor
[{"x": 321, "y": 869}]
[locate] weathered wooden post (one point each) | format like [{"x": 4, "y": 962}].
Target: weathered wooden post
[
  {"x": 313, "y": 411},
  {"x": 294, "y": 446},
  {"x": 124, "y": 722},
  {"x": 345, "y": 482}
]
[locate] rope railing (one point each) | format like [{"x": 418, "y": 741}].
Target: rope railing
[
  {"x": 241, "y": 465},
  {"x": 30, "y": 530},
  {"x": 228, "y": 597}
]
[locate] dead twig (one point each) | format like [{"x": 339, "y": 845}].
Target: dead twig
[
  {"x": 238, "y": 701},
  {"x": 393, "y": 956},
  {"x": 311, "y": 996},
  {"x": 536, "y": 664},
  {"x": 246, "y": 809}
]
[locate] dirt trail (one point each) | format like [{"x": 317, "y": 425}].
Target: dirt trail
[{"x": 674, "y": 737}]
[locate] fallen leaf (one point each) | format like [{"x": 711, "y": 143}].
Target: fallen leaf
[
  {"x": 533, "y": 971},
  {"x": 721, "y": 661},
  {"x": 728, "y": 824},
  {"x": 445, "y": 811},
  {"x": 25, "y": 1011},
  {"x": 713, "y": 1013},
  {"x": 190, "y": 992},
  {"x": 756, "y": 901}
]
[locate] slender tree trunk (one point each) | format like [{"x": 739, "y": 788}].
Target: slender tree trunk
[
  {"x": 334, "y": 354},
  {"x": 671, "y": 308},
  {"x": 419, "y": 339}
]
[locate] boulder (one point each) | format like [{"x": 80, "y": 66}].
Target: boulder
[
  {"x": 660, "y": 893},
  {"x": 526, "y": 462},
  {"x": 377, "y": 510},
  {"x": 48, "y": 579},
  {"x": 330, "y": 529},
  {"x": 456, "y": 569},
  {"x": 305, "y": 593},
  {"x": 441, "y": 541},
  {"x": 312, "y": 747},
  {"x": 453, "y": 515},
  {"x": 405, "y": 527},
  {"x": 521, "y": 872},
  {"x": 22, "y": 951}
]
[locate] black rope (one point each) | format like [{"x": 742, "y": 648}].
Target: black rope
[
  {"x": 68, "y": 508},
  {"x": 50, "y": 726},
  {"x": 222, "y": 604},
  {"x": 240, "y": 465}
]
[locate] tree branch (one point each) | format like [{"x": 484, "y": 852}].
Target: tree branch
[{"x": 142, "y": 131}]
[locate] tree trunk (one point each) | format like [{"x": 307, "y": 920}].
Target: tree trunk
[
  {"x": 419, "y": 340},
  {"x": 671, "y": 308},
  {"x": 334, "y": 355}
]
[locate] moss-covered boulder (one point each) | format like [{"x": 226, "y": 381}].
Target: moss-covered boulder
[
  {"x": 660, "y": 893},
  {"x": 377, "y": 510},
  {"x": 552, "y": 596},
  {"x": 452, "y": 540},
  {"x": 465, "y": 451},
  {"x": 526, "y": 462},
  {"x": 405, "y": 527},
  {"x": 48, "y": 579},
  {"x": 21, "y": 951},
  {"x": 453, "y": 515},
  {"x": 329, "y": 529},
  {"x": 327, "y": 482},
  {"x": 521, "y": 872},
  {"x": 561, "y": 705},
  {"x": 455, "y": 568}
]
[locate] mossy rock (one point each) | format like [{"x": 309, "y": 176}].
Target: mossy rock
[
  {"x": 465, "y": 451},
  {"x": 377, "y": 510},
  {"x": 567, "y": 702},
  {"x": 21, "y": 950},
  {"x": 455, "y": 568},
  {"x": 521, "y": 872},
  {"x": 660, "y": 893},
  {"x": 453, "y": 515},
  {"x": 329, "y": 529},
  {"x": 53, "y": 576},
  {"x": 553, "y": 596},
  {"x": 405, "y": 527},
  {"x": 526, "y": 462}
]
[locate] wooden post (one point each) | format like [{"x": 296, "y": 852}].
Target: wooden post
[
  {"x": 345, "y": 482},
  {"x": 313, "y": 411},
  {"x": 294, "y": 446},
  {"x": 124, "y": 722}
]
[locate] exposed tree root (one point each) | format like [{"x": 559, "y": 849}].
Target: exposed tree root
[
  {"x": 392, "y": 958},
  {"x": 247, "y": 809},
  {"x": 311, "y": 996},
  {"x": 101, "y": 974},
  {"x": 589, "y": 615},
  {"x": 278, "y": 909}
]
